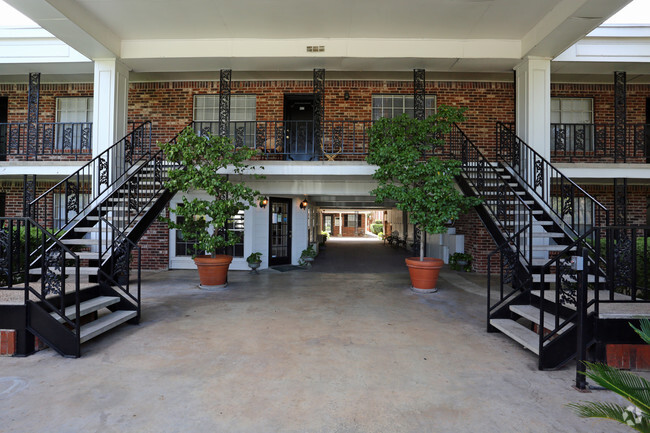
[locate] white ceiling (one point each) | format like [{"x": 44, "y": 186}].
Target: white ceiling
[{"x": 358, "y": 35}]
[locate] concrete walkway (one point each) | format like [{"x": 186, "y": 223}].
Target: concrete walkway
[{"x": 298, "y": 351}]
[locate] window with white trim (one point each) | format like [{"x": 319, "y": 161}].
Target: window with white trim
[
  {"x": 242, "y": 115},
  {"x": 60, "y": 206},
  {"x": 75, "y": 113},
  {"x": 572, "y": 121},
  {"x": 395, "y": 105}
]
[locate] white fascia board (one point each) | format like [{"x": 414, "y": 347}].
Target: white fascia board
[
  {"x": 620, "y": 31},
  {"x": 313, "y": 169},
  {"x": 41, "y": 50},
  {"x": 59, "y": 168},
  {"x": 24, "y": 33},
  {"x": 604, "y": 171},
  {"x": 337, "y": 48},
  {"x": 632, "y": 50}
]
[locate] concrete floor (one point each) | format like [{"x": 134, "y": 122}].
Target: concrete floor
[{"x": 299, "y": 351}]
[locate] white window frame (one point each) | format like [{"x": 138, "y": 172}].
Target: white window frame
[
  {"x": 243, "y": 112},
  {"x": 80, "y": 115},
  {"x": 379, "y": 103},
  {"x": 559, "y": 116}
]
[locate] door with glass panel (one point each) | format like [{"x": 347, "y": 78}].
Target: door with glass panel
[{"x": 280, "y": 231}]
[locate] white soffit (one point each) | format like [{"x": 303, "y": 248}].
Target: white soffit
[{"x": 150, "y": 34}]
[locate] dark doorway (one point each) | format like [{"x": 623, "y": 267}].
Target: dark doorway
[
  {"x": 4, "y": 118},
  {"x": 647, "y": 130},
  {"x": 299, "y": 119},
  {"x": 280, "y": 231}
]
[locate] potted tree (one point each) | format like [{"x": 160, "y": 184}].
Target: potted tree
[
  {"x": 202, "y": 163},
  {"x": 419, "y": 182}
]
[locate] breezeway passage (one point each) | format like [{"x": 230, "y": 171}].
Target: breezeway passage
[
  {"x": 360, "y": 255},
  {"x": 300, "y": 351}
]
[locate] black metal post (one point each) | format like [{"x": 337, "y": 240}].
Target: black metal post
[
  {"x": 224, "y": 101},
  {"x": 32, "y": 113},
  {"x": 620, "y": 116},
  {"x": 620, "y": 202},
  {"x": 29, "y": 193},
  {"x": 319, "y": 105},
  {"x": 581, "y": 379},
  {"x": 419, "y": 93}
]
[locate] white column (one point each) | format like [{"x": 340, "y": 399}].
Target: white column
[
  {"x": 111, "y": 89},
  {"x": 534, "y": 103}
]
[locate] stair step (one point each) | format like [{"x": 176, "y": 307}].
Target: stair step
[
  {"x": 550, "y": 247},
  {"x": 548, "y": 235},
  {"x": 550, "y": 278},
  {"x": 531, "y": 313},
  {"x": 84, "y": 255},
  {"x": 80, "y": 241},
  {"x": 87, "y": 307},
  {"x": 490, "y": 193},
  {"x": 104, "y": 323},
  {"x": 518, "y": 332},
  {"x": 528, "y": 202},
  {"x": 69, "y": 271},
  {"x": 94, "y": 229},
  {"x": 534, "y": 212},
  {"x": 535, "y": 222}
]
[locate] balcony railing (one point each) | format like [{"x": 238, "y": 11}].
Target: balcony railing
[
  {"x": 54, "y": 141},
  {"x": 298, "y": 140},
  {"x": 588, "y": 142}
]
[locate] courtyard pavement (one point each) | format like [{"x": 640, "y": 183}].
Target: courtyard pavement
[{"x": 343, "y": 347}]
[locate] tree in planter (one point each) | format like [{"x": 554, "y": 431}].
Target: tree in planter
[
  {"x": 407, "y": 172},
  {"x": 202, "y": 161}
]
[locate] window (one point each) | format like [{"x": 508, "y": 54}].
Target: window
[
  {"x": 242, "y": 117},
  {"x": 395, "y": 105},
  {"x": 187, "y": 247},
  {"x": 572, "y": 124},
  {"x": 75, "y": 114},
  {"x": 352, "y": 220}
]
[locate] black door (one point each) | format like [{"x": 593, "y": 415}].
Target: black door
[
  {"x": 280, "y": 231},
  {"x": 299, "y": 121},
  {"x": 4, "y": 116}
]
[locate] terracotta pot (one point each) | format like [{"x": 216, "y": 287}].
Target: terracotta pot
[
  {"x": 213, "y": 272},
  {"x": 424, "y": 274}
]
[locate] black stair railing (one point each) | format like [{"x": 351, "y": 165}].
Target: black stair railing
[
  {"x": 507, "y": 208},
  {"x": 575, "y": 210},
  {"x": 63, "y": 203}
]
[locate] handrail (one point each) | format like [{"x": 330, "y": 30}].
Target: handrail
[
  {"x": 73, "y": 196},
  {"x": 548, "y": 183},
  {"x": 504, "y": 204}
]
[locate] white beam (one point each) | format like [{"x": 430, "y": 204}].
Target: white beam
[
  {"x": 533, "y": 105},
  {"x": 110, "y": 100},
  {"x": 71, "y": 24}
]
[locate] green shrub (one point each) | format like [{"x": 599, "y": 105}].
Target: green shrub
[{"x": 377, "y": 227}]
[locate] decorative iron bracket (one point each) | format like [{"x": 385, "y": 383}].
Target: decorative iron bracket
[
  {"x": 620, "y": 110},
  {"x": 319, "y": 104},
  {"x": 224, "y": 101},
  {"x": 419, "y": 85},
  {"x": 32, "y": 113}
]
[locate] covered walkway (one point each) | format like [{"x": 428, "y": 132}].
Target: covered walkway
[
  {"x": 360, "y": 255},
  {"x": 298, "y": 351}
]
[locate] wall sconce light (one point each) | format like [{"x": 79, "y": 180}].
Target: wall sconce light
[
  {"x": 264, "y": 202},
  {"x": 303, "y": 204},
  {"x": 346, "y": 95}
]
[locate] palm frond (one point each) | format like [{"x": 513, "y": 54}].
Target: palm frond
[
  {"x": 644, "y": 332},
  {"x": 612, "y": 412},
  {"x": 629, "y": 386}
]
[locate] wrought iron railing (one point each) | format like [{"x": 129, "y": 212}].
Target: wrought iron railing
[
  {"x": 573, "y": 208},
  {"x": 505, "y": 205},
  {"x": 54, "y": 140},
  {"x": 72, "y": 196},
  {"x": 594, "y": 142},
  {"x": 297, "y": 140}
]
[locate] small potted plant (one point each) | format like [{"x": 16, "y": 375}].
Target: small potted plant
[
  {"x": 307, "y": 256},
  {"x": 420, "y": 183},
  {"x": 200, "y": 162},
  {"x": 461, "y": 262},
  {"x": 254, "y": 261}
]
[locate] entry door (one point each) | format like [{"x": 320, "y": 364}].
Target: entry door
[
  {"x": 280, "y": 231},
  {"x": 4, "y": 116},
  {"x": 328, "y": 222},
  {"x": 299, "y": 120}
]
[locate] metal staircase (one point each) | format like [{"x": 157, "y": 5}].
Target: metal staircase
[
  {"x": 555, "y": 281},
  {"x": 77, "y": 277}
]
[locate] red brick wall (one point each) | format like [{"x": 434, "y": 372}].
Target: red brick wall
[{"x": 478, "y": 241}]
